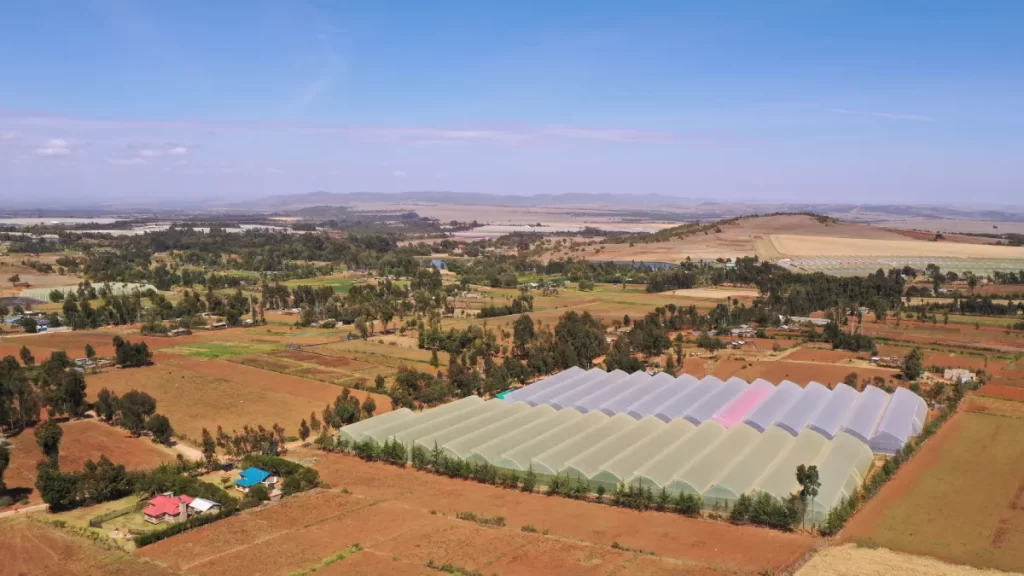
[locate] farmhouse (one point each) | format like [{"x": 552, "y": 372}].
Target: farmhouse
[
  {"x": 958, "y": 375},
  {"x": 253, "y": 476},
  {"x": 167, "y": 508},
  {"x": 203, "y": 506}
]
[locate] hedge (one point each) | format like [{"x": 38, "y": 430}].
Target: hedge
[{"x": 174, "y": 529}]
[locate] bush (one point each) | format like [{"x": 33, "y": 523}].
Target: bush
[{"x": 174, "y": 529}]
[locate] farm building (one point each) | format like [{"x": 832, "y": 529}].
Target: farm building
[
  {"x": 718, "y": 440},
  {"x": 253, "y": 476},
  {"x": 167, "y": 508}
]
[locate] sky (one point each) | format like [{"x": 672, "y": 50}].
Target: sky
[{"x": 860, "y": 101}]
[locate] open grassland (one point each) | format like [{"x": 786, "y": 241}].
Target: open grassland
[
  {"x": 83, "y": 440},
  {"x": 853, "y": 560},
  {"x": 404, "y": 519},
  {"x": 33, "y": 548},
  {"x": 339, "y": 282},
  {"x": 792, "y": 245},
  {"x": 960, "y": 499},
  {"x": 206, "y": 393}
]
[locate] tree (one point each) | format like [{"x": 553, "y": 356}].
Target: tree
[
  {"x": 807, "y": 477},
  {"x": 303, "y": 430},
  {"x": 160, "y": 427},
  {"x": 433, "y": 359},
  {"x": 90, "y": 352},
  {"x": 851, "y": 380},
  {"x": 133, "y": 408},
  {"x": 106, "y": 405},
  {"x": 209, "y": 447},
  {"x": 314, "y": 424},
  {"x": 258, "y": 493},
  {"x": 48, "y": 437},
  {"x": 709, "y": 342},
  {"x": 972, "y": 282},
  {"x": 523, "y": 333},
  {"x": 5, "y": 459},
  {"x": 913, "y": 364},
  {"x": 620, "y": 357},
  {"x": 26, "y": 356},
  {"x": 584, "y": 334},
  {"x": 14, "y": 279},
  {"x": 369, "y": 407},
  {"x": 29, "y": 325},
  {"x": 585, "y": 285},
  {"x": 379, "y": 384},
  {"x": 57, "y": 489}
]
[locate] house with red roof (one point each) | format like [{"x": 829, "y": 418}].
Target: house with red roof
[{"x": 167, "y": 508}]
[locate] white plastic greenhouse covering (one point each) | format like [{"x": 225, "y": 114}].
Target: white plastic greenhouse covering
[
  {"x": 519, "y": 458},
  {"x": 800, "y": 413},
  {"x": 841, "y": 471},
  {"x": 357, "y": 432},
  {"x": 866, "y": 415},
  {"x": 488, "y": 413},
  {"x": 624, "y": 466},
  {"x": 526, "y": 392},
  {"x": 675, "y": 407},
  {"x": 554, "y": 460},
  {"x": 744, "y": 472},
  {"x": 589, "y": 387},
  {"x": 780, "y": 479},
  {"x": 660, "y": 471},
  {"x": 492, "y": 450},
  {"x": 464, "y": 447},
  {"x": 827, "y": 422},
  {"x": 642, "y": 389},
  {"x": 425, "y": 426},
  {"x": 590, "y": 462},
  {"x": 775, "y": 407},
  {"x": 903, "y": 418},
  {"x": 700, "y": 474},
  {"x": 382, "y": 433},
  {"x": 715, "y": 401},
  {"x": 564, "y": 386},
  {"x": 648, "y": 405},
  {"x": 594, "y": 401}
]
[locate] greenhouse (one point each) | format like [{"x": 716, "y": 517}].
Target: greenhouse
[
  {"x": 648, "y": 405},
  {"x": 813, "y": 397},
  {"x": 675, "y": 407},
  {"x": 903, "y": 418},
  {"x": 589, "y": 462},
  {"x": 827, "y": 422},
  {"x": 519, "y": 458},
  {"x": 570, "y": 397},
  {"x": 526, "y": 392},
  {"x": 748, "y": 400},
  {"x": 714, "y": 401},
  {"x": 492, "y": 450},
  {"x": 627, "y": 385},
  {"x": 715, "y": 439},
  {"x": 643, "y": 389},
  {"x": 864, "y": 418},
  {"x": 774, "y": 408}
]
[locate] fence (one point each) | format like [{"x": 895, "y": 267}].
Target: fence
[{"x": 97, "y": 521}]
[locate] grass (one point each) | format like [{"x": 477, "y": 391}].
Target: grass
[
  {"x": 964, "y": 507},
  {"x": 219, "y": 350},
  {"x": 330, "y": 560},
  {"x": 342, "y": 285}
]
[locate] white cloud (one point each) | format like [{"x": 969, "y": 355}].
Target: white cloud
[
  {"x": 177, "y": 151},
  {"x": 399, "y": 174},
  {"x": 9, "y": 135},
  {"x": 54, "y": 148},
  {"x": 162, "y": 150},
  {"x": 133, "y": 161},
  {"x": 273, "y": 170}
]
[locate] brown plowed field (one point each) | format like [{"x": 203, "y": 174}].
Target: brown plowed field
[
  {"x": 960, "y": 498},
  {"x": 825, "y": 356},
  {"x": 401, "y": 535},
  {"x": 83, "y": 440},
  {"x": 321, "y": 360},
  {"x": 1008, "y": 392},
  {"x": 206, "y": 393},
  {"x": 700, "y": 542},
  {"x": 995, "y": 406},
  {"x": 798, "y": 372},
  {"x": 31, "y": 548}
]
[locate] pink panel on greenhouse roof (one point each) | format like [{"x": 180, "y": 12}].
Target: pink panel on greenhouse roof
[{"x": 735, "y": 411}]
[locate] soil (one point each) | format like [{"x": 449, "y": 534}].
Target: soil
[
  {"x": 1008, "y": 392},
  {"x": 83, "y": 440},
  {"x": 853, "y": 560},
  {"x": 31, "y": 547}
]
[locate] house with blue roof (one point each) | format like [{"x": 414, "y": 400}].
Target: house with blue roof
[{"x": 253, "y": 476}]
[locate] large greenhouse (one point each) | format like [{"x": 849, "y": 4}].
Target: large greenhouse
[{"x": 715, "y": 439}]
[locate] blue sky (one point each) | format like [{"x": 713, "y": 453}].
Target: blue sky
[{"x": 811, "y": 100}]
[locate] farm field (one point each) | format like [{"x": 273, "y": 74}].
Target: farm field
[
  {"x": 83, "y": 440},
  {"x": 792, "y": 245},
  {"x": 389, "y": 515},
  {"x": 31, "y": 547},
  {"x": 853, "y": 560},
  {"x": 206, "y": 393},
  {"x": 959, "y": 499}
]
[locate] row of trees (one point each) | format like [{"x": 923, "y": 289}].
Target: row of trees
[
  {"x": 26, "y": 389},
  {"x": 135, "y": 412}
]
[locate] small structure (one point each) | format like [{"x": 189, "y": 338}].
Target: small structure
[
  {"x": 177, "y": 332},
  {"x": 167, "y": 508},
  {"x": 439, "y": 264},
  {"x": 958, "y": 375},
  {"x": 203, "y": 506},
  {"x": 218, "y": 326},
  {"x": 253, "y": 476}
]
